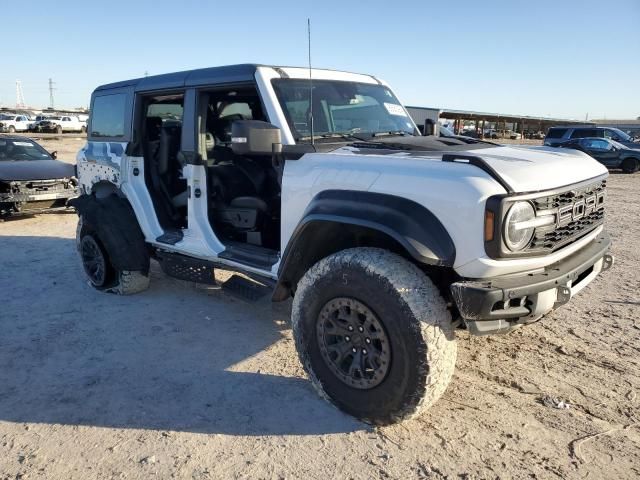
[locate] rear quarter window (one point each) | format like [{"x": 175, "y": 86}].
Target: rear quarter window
[
  {"x": 108, "y": 116},
  {"x": 556, "y": 132},
  {"x": 585, "y": 132}
]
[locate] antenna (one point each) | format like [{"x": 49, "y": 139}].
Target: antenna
[{"x": 310, "y": 80}]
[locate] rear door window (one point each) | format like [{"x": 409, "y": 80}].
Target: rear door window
[
  {"x": 585, "y": 132},
  {"x": 108, "y": 116},
  {"x": 556, "y": 132}
]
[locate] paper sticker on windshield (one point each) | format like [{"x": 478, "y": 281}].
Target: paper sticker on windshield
[
  {"x": 395, "y": 109},
  {"x": 23, "y": 144}
]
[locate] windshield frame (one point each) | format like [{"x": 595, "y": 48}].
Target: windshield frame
[{"x": 331, "y": 135}]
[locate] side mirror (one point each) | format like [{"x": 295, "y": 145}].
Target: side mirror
[
  {"x": 254, "y": 137},
  {"x": 54, "y": 154}
]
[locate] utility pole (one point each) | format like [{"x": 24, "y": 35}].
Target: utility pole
[
  {"x": 51, "y": 89},
  {"x": 19, "y": 95}
]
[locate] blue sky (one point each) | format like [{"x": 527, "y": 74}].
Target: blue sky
[{"x": 535, "y": 57}]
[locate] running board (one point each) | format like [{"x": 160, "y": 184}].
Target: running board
[
  {"x": 246, "y": 289},
  {"x": 187, "y": 268},
  {"x": 170, "y": 237}
]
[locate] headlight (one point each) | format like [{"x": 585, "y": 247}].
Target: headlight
[{"x": 519, "y": 226}]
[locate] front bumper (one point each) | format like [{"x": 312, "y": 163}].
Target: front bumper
[
  {"x": 501, "y": 304},
  {"x": 26, "y": 200}
]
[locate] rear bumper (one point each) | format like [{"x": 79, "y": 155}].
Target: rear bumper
[{"x": 501, "y": 304}]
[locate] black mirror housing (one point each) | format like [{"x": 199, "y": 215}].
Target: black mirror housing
[
  {"x": 254, "y": 137},
  {"x": 54, "y": 154}
]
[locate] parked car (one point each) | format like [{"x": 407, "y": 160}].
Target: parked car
[
  {"x": 15, "y": 123},
  {"x": 558, "y": 135},
  {"x": 32, "y": 180},
  {"x": 61, "y": 124},
  {"x": 387, "y": 240},
  {"x": 610, "y": 153}
]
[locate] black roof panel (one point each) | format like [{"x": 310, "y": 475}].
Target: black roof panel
[{"x": 202, "y": 76}]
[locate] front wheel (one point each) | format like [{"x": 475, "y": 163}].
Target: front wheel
[
  {"x": 99, "y": 269},
  {"x": 58, "y": 129},
  {"x": 374, "y": 335},
  {"x": 630, "y": 165},
  {"x": 12, "y": 129}
]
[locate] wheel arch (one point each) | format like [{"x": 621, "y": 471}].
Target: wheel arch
[
  {"x": 114, "y": 220},
  {"x": 339, "y": 219}
]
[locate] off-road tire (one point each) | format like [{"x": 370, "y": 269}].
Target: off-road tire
[
  {"x": 121, "y": 282},
  {"x": 630, "y": 165},
  {"x": 414, "y": 316}
]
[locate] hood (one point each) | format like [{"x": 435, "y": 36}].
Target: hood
[
  {"x": 524, "y": 169},
  {"x": 529, "y": 169},
  {"x": 35, "y": 170}
]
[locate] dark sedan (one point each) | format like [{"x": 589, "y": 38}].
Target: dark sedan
[
  {"x": 608, "y": 152},
  {"x": 31, "y": 179}
]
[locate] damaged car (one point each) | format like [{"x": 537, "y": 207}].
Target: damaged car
[{"x": 32, "y": 180}]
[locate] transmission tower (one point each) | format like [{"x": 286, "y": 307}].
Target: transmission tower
[
  {"x": 51, "y": 89},
  {"x": 19, "y": 95}
]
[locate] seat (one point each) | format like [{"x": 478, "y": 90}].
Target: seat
[{"x": 169, "y": 167}]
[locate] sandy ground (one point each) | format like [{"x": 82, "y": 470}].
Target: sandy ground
[{"x": 187, "y": 382}]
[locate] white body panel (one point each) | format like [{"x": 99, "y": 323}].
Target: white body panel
[{"x": 455, "y": 193}]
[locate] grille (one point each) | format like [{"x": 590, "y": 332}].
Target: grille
[{"x": 552, "y": 238}]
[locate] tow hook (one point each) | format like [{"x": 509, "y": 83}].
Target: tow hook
[
  {"x": 607, "y": 262},
  {"x": 563, "y": 296}
]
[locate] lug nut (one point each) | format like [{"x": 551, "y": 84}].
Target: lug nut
[
  {"x": 350, "y": 328},
  {"x": 368, "y": 340},
  {"x": 354, "y": 349},
  {"x": 364, "y": 351},
  {"x": 347, "y": 338},
  {"x": 360, "y": 329}
]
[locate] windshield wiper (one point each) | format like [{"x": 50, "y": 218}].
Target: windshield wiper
[
  {"x": 392, "y": 133},
  {"x": 344, "y": 135}
]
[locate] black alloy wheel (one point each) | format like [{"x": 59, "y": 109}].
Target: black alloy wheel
[
  {"x": 353, "y": 343},
  {"x": 93, "y": 261}
]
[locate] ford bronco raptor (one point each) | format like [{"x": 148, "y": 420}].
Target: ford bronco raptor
[{"x": 317, "y": 185}]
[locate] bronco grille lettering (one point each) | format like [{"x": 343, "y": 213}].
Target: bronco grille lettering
[{"x": 581, "y": 208}]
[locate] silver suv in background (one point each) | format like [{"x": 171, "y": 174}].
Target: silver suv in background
[{"x": 559, "y": 135}]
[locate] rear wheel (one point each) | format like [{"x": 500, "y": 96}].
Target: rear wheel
[
  {"x": 98, "y": 266},
  {"x": 630, "y": 165},
  {"x": 374, "y": 335}
]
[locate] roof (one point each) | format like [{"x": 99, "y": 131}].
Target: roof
[
  {"x": 202, "y": 76},
  {"x": 227, "y": 74}
]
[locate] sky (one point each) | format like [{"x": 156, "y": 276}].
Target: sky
[{"x": 567, "y": 59}]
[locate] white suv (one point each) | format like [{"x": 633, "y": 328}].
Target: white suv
[{"x": 322, "y": 189}]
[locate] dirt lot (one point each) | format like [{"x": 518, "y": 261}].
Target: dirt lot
[{"x": 187, "y": 382}]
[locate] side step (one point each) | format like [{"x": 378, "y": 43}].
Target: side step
[
  {"x": 246, "y": 289},
  {"x": 187, "y": 268},
  {"x": 170, "y": 237}
]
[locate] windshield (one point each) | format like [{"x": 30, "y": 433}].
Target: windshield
[
  {"x": 347, "y": 108},
  {"x": 621, "y": 135},
  {"x": 618, "y": 145},
  {"x": 446, "y": 132},
  {"x": 22, "y": 149}
]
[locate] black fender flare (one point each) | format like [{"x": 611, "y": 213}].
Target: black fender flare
[
  {"x": 410, "y": 224},
  {"x": 117, "y": 228}
]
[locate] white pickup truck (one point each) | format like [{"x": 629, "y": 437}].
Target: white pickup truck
[
  {"x": 15, "y": 123},
  {"x": 62, "y": 124}
]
